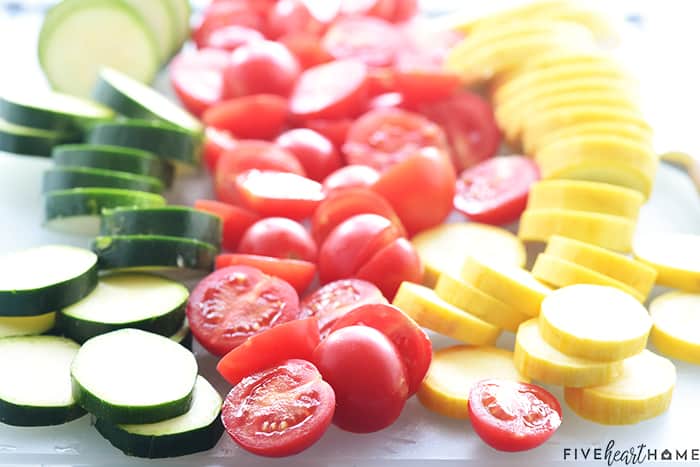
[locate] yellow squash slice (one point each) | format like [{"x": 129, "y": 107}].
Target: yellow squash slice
[
  {"x": 595, "y": 322},
  {"x": 628, "y": 131},
  {"x": 676, "y": 329},
  {"x": 26, "y": 325},
  {"x": 643, "y": 391},
  {"x": 675, "y": 256}
]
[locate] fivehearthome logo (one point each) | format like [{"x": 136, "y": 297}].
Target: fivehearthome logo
[{"x": 611, "y": 454}]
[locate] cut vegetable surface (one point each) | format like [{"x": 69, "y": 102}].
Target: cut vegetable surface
[
  {"x": 676, "y": 318},
  {"x": 133, "y": 376},
  {"x": 159, "y": 17},
  {"x": 65, "y": 178},
  {"x": 11, "y": 326},
  {"x": 674, "y": 256},
  {"x": 21, "y": 139}
]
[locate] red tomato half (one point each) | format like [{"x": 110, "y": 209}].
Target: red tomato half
[
  {"x": 395, "y": 263},
  {"x": 298, "y": 273},
  {"x": 387, "y": 100},
  {"x": 314, "y": 151},
  {"x": 292, "y": 17},
  {"x": 197, "y": 78},
  {"x": 222, "y": 14},
  {"x": 230, "y": 38},
  {"x": 405, "y": 10},
  {"x": 260, "y": 116},
  {"x": 235, "y": 220},
  {"x": 279, "y": 411},
  {"x": 333, "y": 300},
  {"x": 272, "y": 193},
  {"x": 350, "y": 176},
  {"x": 365, "y": 370},
  {"x": 279, "y": 237},
  {"x": 335, "y": 130},
  {"x": 295, "y": 339},
  {"x": 513, "y": 416},
  {"x": 234, "y": 303},
  {"x": 372, "y": 41},
  {"x": 306, "y": 48},
  {"x": 495, "y": 191},
  {"x": 410, "y": 340},
  {"x": 383, "y": 9},
  {"x": 216, "y": 142}
]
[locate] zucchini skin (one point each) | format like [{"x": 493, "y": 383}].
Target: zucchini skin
[
  {"x": 80, "y": 177},
  {"x": 26, "y": 415},
  {"x": 34, "y": 143},
  {"x": 88, "y": 201},
  {"x": 46, "y": 119}
]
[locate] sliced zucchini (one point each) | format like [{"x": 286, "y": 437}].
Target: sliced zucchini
[
  {"x": 162, "y": 139},
  {"x": 35, "y": 388},
  {"x": 172, "y": 221},
  {"x": 182, "y": 11},
  {"x": 197, "y": 430},
  {"x": 137, "y": 100},
  {"x": 78, "y": 38},
  {"x": 11, "y": 326},
  {"x": 21, "y": 139},
  {"x": 183, "y": 336},
  {"x": 78, "y": 210},
  {"x": 140, "y": 301},
  {"x": 64, "y": 178},
  {"x": 115, "y": 158},
  {"x": 153, "y": 252},
  {"x": 160, "y": 19},
  {"x": 46, "y": 278}
]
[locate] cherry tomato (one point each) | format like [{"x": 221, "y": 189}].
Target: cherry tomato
[
  {"x": 261, "y": 67},
  {"x": 234, "y": 303},
  {"x": 424, "y": 207},
  {"x": 383, "y": 9},
  {"x": 335, "y": 130},
  {"x": 405, "y": 10},
  {"x": 343, "y": 204},
  {"x": 350, "y": 176},
  {"x": 513, "y": 416},
  {"x": 397, "y": 262},
  {"x": 246, "y": 155},
  {"x": 332, "y": 90},
  {"x": 384, "y": 137},
  {"x": 333, "y": 300},
  {"x": 230, "y": 38},
  {"x": 235, "y": 220},
  {"x": 410, "y": 340},
  {"x": 298, "y": 273},
  {"x": 197, "y": 78},
  {"x": 372, "y": 41},
  {"x": 419, "y": 85},
  {"x": 216, "y": 142},
  {"x": 259, "y": 116},
  {"x": 470, "y": 126},
  {"x": 291, "y": 17},
  {"x": 306, "y": 48},
  {"x": 365, "y": 370},
  {"x": 388, "y": 100},
  {"x": 279, "y": 237},
  {"x": 222, "y": 14},
  {"x": 273, "y": 193},
  {"x": 295, "y": 339},
  {"x": 495, "y": 191},
  {"x": 279, "y": 411},
  {"x": 314, "y": 151}
]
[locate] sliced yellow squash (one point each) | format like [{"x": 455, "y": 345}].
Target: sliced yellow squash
[
  {"x": 618, "y": 129},
  {"x": 466, "y": 22},
  {"x": 597, "y": 169},
  {"x": 643, "y": 391},
  {"x": 676, "y": 329},
  {"x": 595, "y": 322},
  {"x": 675, "y": 256}
]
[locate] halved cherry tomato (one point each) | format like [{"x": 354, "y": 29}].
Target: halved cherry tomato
[
  {"x": 197, "y": 78},
  {"x": 295, "y": 339},
  {"x": 333, "y": 300},
  {"x": 260, "y": 116},
  {"x": 372, "y": 41},
  {"x": 221, "y": 14},
  {"x": 314, "y": 151},
  {"x": 365, "y": 370},
  {"x": 332, "y": 90},
  {"x": 272, "y": 193},
  {"x": 234, "y": 303},
  {"x": 410, "y": 340},
  {"x": 388, "y": 100},
  {"x": 384, "y": 137},
  {"x": 424, "y": 85},
  {"x": 230, "y": 38},
  {"x": 350, "y": 176},
  {"x": 261, "y": 67},
  {"x": 298, "y": 273},
  {"x": 279, "y": 237},
  {"x": 495, "y": 191},
  {"x": 343, "y": 204},
  {"x": 216, "y": 142},
  {"x": 279, "y": 411},
  {"x": 291, "y": 17},
  {"x": 430, "y": 202},
  {"x": 335, "y": 130},
  {"x": 306, "y": 48},
  {"x": 235, "y": 220},
  {"x": 381, "y": 80},
  {"x": 383, "y": 9},
  {"x": 513, "y": 416},
  {"x": 397, "y": 262},
  {"x": 405, "y": 10}
]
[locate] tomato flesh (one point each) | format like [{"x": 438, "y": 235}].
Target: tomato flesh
[
  {"x": 372, "y": 41},
  {"x": 306, "y": 48},
  {"x": 235, "y": 220},
  {"x": 513, "y": 416},
  {"x": 290, "y": 17},
  {"x": 197, "y": 78},
  {"x": 229, "y": 38},
  {"x": 279, "y": 237},
  {"x": 298, "y": 273},
  {"x": 350, "y": 176},
  {"x": 260, "y": 116},
  {"x": 279, "y": 411},
  {"x": 222, "y": 14},
  {"x": 272, "y": 193}
]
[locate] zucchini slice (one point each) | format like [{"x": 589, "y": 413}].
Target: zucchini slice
[
  {"x": 46, "y": 278},
  {"x": 182, "y": 11},
  {"x": 78, "y": 38},
  {"x": 162, "y": 139},
  {"x": 140, "y": 301},
  {"x": 197, "y": 430},
  {"x": 21, "y": 139},
  {"x": 172, "y": 221},
  {"x": 11, "y": 326},
  {"x": 64, "y": 178},
  {"x": 133, "y": 376},
  {"x": 78, "y": 210},
  {"x": 183, "y": 336},
  {"x": 160, "y": 18},
  {"x": 35, "y": 389},
  {"x": 117, "y": 158},
  {"x": 152, "y": 252},
  {"x": 137, "y": 100}
]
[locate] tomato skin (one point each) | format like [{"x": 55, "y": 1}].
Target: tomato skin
[
  {"x": 365, "y": 370},
  {"x": 299, "y": 394},
  {"x": 405, "y": 10},
  {"x": 259, "y": 116},
  {"x": 306, "y": 48},
  {"x": 350, "y": 176},
  {"x": 216, "y": 142},
  {"x": 421, "y": 209},
  {"x": 197, "y": 77},
  {"x": 410, "y": 340},
  {"x": 298, "y": 273},
  {"x": 279, "y": 237},
  {"x": 370, "y": 40},
  {"x": 290, "y": 17},
  {"x": 295, "y": 339},
  {"x": 234, "y": 303},
  {"x": 389, "y": 267},
  {"x": 335, "y": 130},
  {"x": 421, "y": 86},
  {"x": 235, "y": 220},
  {"x": 221, "y": 14},
  {"x": 534, "y": 414},
  {"x": 383, "y": 9},
  {"x": 314, "y": 151},
  {"x": 273, "y": 193},
  {"x": 231, "y": 37},
  {"x": 496, "y": 190},
  {"x": 261, "y": 67}
]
